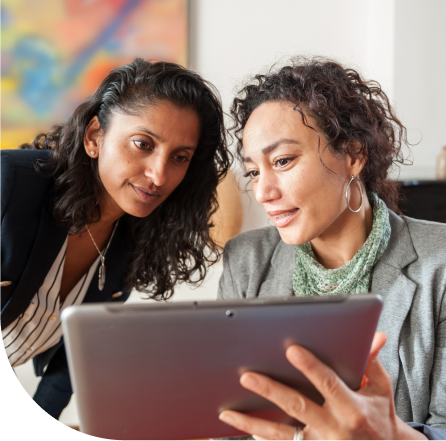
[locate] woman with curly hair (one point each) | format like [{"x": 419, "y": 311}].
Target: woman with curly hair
[
  {"x": 317, "y": 142},
  {"x": 119, "y": 197}
]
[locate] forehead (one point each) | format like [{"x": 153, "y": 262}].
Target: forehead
[
  {"x": 270, "y": 121},
  {"x": 164, "y": 116}
]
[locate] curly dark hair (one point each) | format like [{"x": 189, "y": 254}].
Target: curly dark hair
[
  {"x": 349, "y": 111},
  {"x": 173, "y": 244}
]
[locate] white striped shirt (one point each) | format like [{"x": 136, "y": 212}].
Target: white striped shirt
[{"x": 39, "y": 327}]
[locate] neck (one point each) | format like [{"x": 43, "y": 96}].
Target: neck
[
  {"x": 344, "y": 238},
  {"x": 110, "y": 213}
]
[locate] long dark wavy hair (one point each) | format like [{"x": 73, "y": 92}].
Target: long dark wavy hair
[
  {"x": 172, "y": 244},
  {"x": 349, "y": 110}
]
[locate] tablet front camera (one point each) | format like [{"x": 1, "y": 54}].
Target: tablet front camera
[{"x": 230, "y": 314}]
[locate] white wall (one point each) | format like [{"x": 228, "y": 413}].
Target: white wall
[{"x": 420, "y": 75}]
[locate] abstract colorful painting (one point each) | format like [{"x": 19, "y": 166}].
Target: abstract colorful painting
[{"x": 55, "y": 53}]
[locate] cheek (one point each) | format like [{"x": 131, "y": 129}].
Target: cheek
[
  {"x": 175, "y": 177},
  {"x": 116, "y": 165},
  {"x": 319, "y": 194}
]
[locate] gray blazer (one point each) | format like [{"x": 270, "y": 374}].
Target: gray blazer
[{"x": 411, "y": 277}]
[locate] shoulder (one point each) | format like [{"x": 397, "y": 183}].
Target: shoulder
[
  {"x": 414, "y": 240},
  {"x": 253, "y": 244},
  {"x": 429, "y": 239},
  {"x": 22, "y": 158},
  {"x": 418, "y": 248},
  {"x": 251, "y": 254},
  {"x": 429, "y": 242},
  {"x": 20, "y": 180},
  {"x": 246, "y": 259}
]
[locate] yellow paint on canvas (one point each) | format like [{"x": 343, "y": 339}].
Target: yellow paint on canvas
[{"x": 11, "y": 139}]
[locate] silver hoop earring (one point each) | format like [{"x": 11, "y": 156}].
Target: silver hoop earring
[{"x": 362, "y": 193}]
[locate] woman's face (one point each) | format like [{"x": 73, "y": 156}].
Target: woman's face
[
  {"x": 302, "y": 197},
  {"x": 142, "y": 159}
]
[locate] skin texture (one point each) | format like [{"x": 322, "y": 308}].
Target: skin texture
[
  {"x": 150, "y": 152},
  {"x": 281, "y": 157},
  {"x": 292, "y": 176}
]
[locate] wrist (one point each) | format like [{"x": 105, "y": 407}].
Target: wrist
[{"x": 404, "y": 431}]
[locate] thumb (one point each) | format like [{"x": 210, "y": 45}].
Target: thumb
[
  {"x": 374, "y": 369},
  {"x": 379, "y": 340}
]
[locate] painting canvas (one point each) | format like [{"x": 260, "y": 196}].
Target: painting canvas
[{"x": 55, "y": 53}]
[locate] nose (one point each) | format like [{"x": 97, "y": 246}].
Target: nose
[
  {"x": 266, "y": 188},
  {"x": 156, "y": 169}
]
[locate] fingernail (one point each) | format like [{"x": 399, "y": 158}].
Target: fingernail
[
  {"x": 226, "y": 417},
  {"x": 249, "y": 381}
]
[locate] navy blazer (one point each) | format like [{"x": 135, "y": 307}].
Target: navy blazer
[{"x": 32, "y": 239}]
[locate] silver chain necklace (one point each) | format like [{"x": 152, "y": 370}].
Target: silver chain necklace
[{"x": 101, "y": 282}]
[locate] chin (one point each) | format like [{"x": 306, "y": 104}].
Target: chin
[
  {"x": 138, "y": 211},
  {"x": 292, "y": 237}
]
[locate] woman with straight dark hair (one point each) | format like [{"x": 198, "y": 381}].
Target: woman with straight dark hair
[
  {"x": 119, "y": 197},
  {"x": 317, "y": 141}
]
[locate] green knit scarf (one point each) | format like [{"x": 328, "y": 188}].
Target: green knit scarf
[{"x": 311, "y": 278}]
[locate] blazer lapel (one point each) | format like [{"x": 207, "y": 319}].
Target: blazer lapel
[
  {"x": 48, "y": 242},
  {"x": 397, "y": 291},
  {"x": 279, "y": 282}
]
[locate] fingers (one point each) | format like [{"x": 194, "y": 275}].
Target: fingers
[
  {"x": 290, "y": 401},
  {"x": 261, "y": 428},
  {"x": 376, "y": 377},
  {"x": 257, "y": 437},
  {"x": 321, "y": 376},
  {"x": 379, "y": 340}
]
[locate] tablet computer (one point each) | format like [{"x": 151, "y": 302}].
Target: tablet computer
[{"x": 166, "y": 371}]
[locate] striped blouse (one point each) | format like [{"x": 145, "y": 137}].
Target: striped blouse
[{"x": 39, "y": 327}]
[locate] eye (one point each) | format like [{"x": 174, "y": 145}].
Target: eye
[
  {"x": 282, "y": 162},
  {"x": 181, "y": 159},
  {"x": 251, "y": 174},
  {"x": 143, "y": 145}
]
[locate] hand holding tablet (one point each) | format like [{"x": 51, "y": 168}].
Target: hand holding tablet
[{"x": 344, "y": 415}]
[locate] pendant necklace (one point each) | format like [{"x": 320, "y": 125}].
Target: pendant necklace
[{"x": 101, "y": 282}]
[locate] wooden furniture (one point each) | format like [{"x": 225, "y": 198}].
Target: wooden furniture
[{"x": 229, "y": 216}]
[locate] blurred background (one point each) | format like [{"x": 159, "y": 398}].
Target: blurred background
[{"x": 56, "y": 52}]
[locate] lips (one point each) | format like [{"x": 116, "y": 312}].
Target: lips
[
  {"x": 283, "y": 218},
  {"x": 145, "y": 194}
]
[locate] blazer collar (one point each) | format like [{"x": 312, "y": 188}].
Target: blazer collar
[
  {"x": 389, "y": 280},
  {"x": 400, "y": 251},
  {"x": 49, "y": 240}
]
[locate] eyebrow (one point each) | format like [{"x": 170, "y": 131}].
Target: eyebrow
[
  {"x": 271, "y": 147},
  {"x": 158, "y": 138}
]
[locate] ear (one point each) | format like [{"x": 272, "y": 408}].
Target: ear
[
  {"x": 93, "y": 135},
  {"x": 355, "y": 159}
]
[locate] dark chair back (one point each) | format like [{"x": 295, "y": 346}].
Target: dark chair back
[{"x": 424, "y": 200}]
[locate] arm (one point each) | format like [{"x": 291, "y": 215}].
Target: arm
[
  {"x": 437, "y": 405},
  {"x": 54, "y": 391},
  {"x": 7, "y": 180}
]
